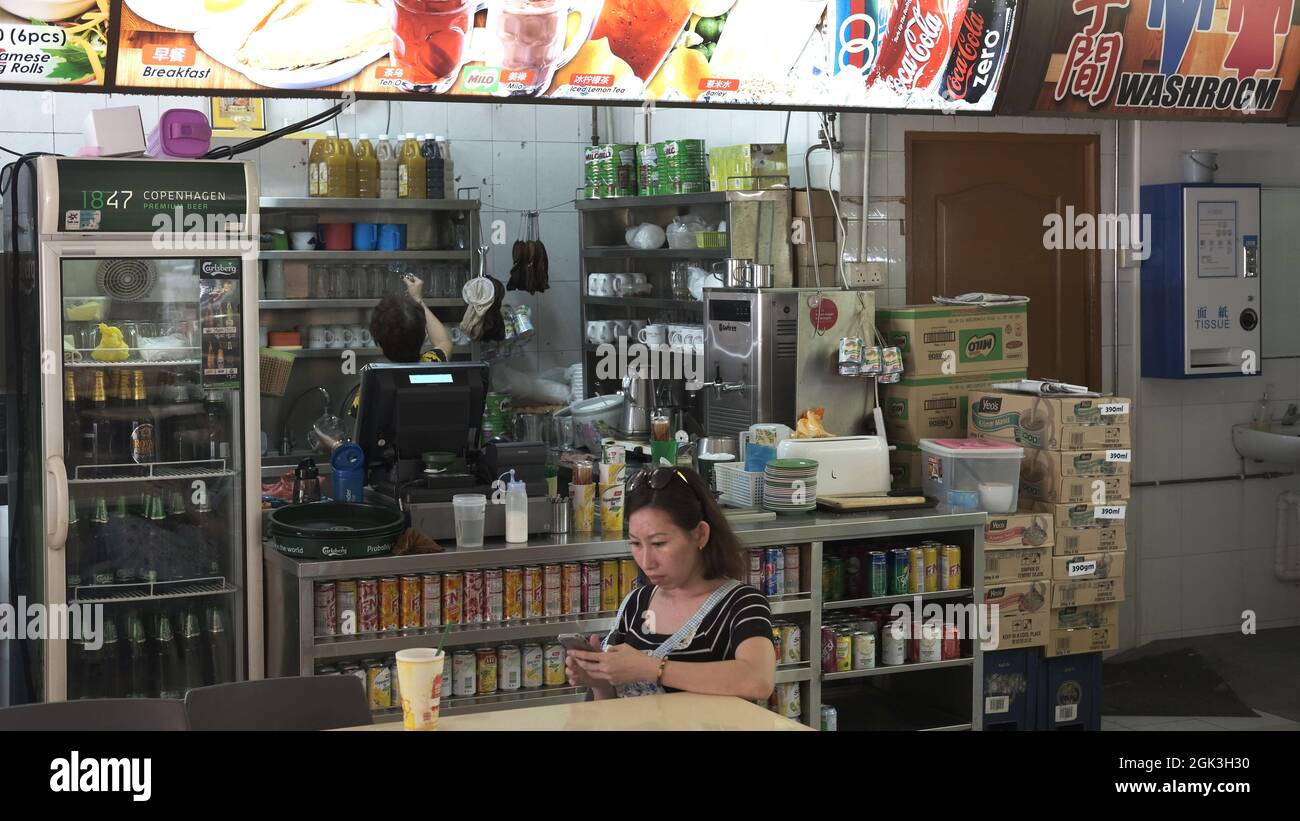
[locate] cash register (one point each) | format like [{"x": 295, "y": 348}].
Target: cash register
[{"x": 408, "y": 412}]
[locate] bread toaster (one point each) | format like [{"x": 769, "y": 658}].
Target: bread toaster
[{"x": 846, "y": 465}]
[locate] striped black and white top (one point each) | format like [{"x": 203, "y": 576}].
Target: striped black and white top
[{"x": 743, "y": 614}]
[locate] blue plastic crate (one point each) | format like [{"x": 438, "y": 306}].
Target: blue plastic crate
[
  {"x": 1011, "y": 689},
  {"x": 1070, "y": 698}
]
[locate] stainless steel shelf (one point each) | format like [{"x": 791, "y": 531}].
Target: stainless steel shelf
[
  {"x": 790, "y": 673},
  {"x": 182, "y": 589},
  {"x": 308, "y": 304},
  {"x": 845, "y": 604},
  {"x": 705, "y": 198},
  {"x": 627, "y": 252},
  {"x": 460, "y": 636},
  {"x": 136, "y": 363},
  {"x": 363, "y": 204},
  {"x": 362, "y": 256},
  {"x": 917, "y": 667},
  {"x": 645, "y": 302},
  {"x": 153, "y": 472},
  {"x": 333, "y": 353},
  {"x": 784, "y": 606}
]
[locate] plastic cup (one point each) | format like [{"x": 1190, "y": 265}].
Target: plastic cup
[
  {"x": 612, "y": 474},
  {"x": 471, "y": 513},
  {"x": 583, "y": 498},
  {"x": 419, "y": 678}
]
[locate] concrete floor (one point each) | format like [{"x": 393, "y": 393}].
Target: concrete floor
[{"x": 1263, "y": 670}]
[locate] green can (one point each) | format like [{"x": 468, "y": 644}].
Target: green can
[
  {"x": 900, "y": 571},
  {"x": 878, "y": 578},
  {"x": 833, "y": 573}
]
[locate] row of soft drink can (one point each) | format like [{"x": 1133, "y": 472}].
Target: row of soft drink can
[
  {"x": 874, "y": 637},
  {"x": 859, "y": 572},
  {"x": 416, "y": 602},
  {"x": 786, "y": 700},
  {"x": 774, "y": 571},
  {"x": 787, "y": 637}
]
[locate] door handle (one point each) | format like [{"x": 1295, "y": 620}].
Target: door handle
[{"x": 56, "y": 514}]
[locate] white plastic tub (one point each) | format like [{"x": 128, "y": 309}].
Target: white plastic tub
[{"x": 972, "y": 474}]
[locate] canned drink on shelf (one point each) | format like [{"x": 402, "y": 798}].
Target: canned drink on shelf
[
  {"x": 431, "y": 598},
  {"x": 916, "y": 557},
  {"x": 327, "y": 670},
  {"x": 855, "y": 573},
  {"x": 793, "y": 583},
  {"x": 513, "y": 593},
  {"x": 877, "y": 575},
  {"x": 774, "y": 700},
  {"x": 893, "y": 650},
  {"x": 552, "y": 598},
  {"x": 346, "y": 597},
  {"x": 756, "y": 569},
  {"x": 465, "y": 673},
  {"x": 787, "y": 696},
  {"x": 494, "y": 609},
  {"x": 534, "y": 592},
  {"x": 627, "y": 576},
  {"x": 830, "y": 719},
  {"x": 356, "y": 671},
  {"x": 509, "y": 673},
  {"x": 900, "y": 571},
  {"x": 864, "y": 650},
  {"x": 772, "y": 583},
  {"x": 554, "y": 675},
  {"x": 379, "y": 684},
  {"x": 473, "y": 596},
  {"x": 591, "y": 598},
  {"x": 327, "y": 623},
  {"x": 931, "y": 642},
  {"x": 397, "y": 685},
  {"x": 839, "y": 580},
  {"x": 776, "y": 640},
  {"x": 485, "y": 659},
  {"x": 950, "y": 567},
  {"x": 828, "y": 648},
  {"x": 453, "y": 597},
  {"x": 843, "y": 651},
  {"x": 533, "y": 675},
  {"x": 412, "y": 603},
  {"x": 390, "y": 604},
  {"x": 791, "y": 643},
  {"x": 609, "y": 599},
  {"x": 571, "y": 589},
  {"x": 930, "y": 556},
  {"x": 951, "y": 642}
]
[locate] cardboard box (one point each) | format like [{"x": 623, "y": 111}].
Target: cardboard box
[
  {"x": 1017, "y": 565},
  {"x": 905, "y": 465},
  {"x": 978, "y": 339},
  {"x": 1071, "y": 423},
  {"x": 806, "y": 276},
  {"x": 826, "y": 229},
  {"x": 1088, "y": 566},
  {"x": 1019, "y": 598},
  {"x": 1087, "y": 616},
  {"x": 1089, "y": 591},
  {"x": 1018, "y": 530},
  {"x": 1084, "y": 514},
  {"x": 1088, "y": 640},
  {"x": 933, "y": 408},
  {"x": 1021, "y": 631},
  {"x": 1071, "y": 541},
  {"x": 748, "y": 167},
  {"x": 822, "y": 205},
  {"x": 1051, "y": 466},
  {"x": 1074, "y": 489},
  {"x": 828, "y": 253}
]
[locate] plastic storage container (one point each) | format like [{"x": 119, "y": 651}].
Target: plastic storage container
[{"x": 972, "y": 474}]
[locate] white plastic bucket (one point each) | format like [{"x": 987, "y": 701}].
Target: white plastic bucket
[{"x": 1199, "y": 166}]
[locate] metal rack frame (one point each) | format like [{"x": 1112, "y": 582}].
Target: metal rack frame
[{"x": 290, "y": 596}]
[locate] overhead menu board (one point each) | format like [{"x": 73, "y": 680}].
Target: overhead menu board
[
  {"x": 54, "y": 42},
  {"x": 1200, "y": 59},
  {"x": 879, "y": 54}
]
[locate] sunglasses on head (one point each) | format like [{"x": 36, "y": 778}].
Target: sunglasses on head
[{"x": 659, "y": 478}]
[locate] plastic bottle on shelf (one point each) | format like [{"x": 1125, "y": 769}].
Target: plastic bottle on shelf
[
  {"x": 315, "y": 158},
  {"x": 334, "y": 167},
  {"x": 351, "y": 159},
  {"x": 386, "y": 156},
  {"x": 449, "y": 170},
  {"x": 410, "y": 170},
  {"x": 433, "y": 168},
  {"x": 367, "y": 169},
  {"x": 516, "y": 511}
]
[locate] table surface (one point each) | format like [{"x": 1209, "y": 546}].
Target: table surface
[{"x": 673, "y": 711}]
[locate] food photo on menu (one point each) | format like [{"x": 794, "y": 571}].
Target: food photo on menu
[{"x": 53, "y": 42}]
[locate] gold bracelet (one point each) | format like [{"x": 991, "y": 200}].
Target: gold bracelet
[{"x": 659, "y": 679}]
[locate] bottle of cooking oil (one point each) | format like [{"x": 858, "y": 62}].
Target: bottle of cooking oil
[
  {"x": 433, "y": 168},
  {"x": 314, "y": 160},
  {"x": 386, "y": 155},
  {"x": 334, "y": 169},
  {"x": 411, "y": 169},
  {"x": 350, "y": 153},
  {"x": 367, "y": 168}
]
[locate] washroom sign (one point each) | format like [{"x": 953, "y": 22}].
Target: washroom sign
[{"x": 1174, "y": 59}]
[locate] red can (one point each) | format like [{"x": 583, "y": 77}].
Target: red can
[
  {"x": 493, "y": 596},
  {"x": 327, "y": 622},
  {"x": 591, "y": 587},
  {"x": 453, "y": 597},
  {"x": 828, "y": 648},
  {"x": 514, "y": 593},
  {"x": 916, "y": 45},
  {"x": 368, "y": 606},
  {"x": 951, "y": 642},
  {"x": 390, "y": 604},
  {"x": 412, "y": 603},
  {"x": 571, "y": 589},
  {"x": 473, "y": 597},
  {"x": 534, "y": 593},
  {"x": 552, "y": 590}
]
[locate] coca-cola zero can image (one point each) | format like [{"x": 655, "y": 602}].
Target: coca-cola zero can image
[{"x": 978, "y": 50}]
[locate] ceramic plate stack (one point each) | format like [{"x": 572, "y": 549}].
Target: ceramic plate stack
[{"x": 790, "y": 485}]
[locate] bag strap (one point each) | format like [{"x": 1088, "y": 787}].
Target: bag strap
[{"x": 715, "y": 598}]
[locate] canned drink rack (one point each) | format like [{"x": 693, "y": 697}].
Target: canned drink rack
[
  {"x": 150, "y": 591},
  {"x": 150, "y": 472},
  {"x": 293, "y": 649},
  {"x": 135, "y": 363}
]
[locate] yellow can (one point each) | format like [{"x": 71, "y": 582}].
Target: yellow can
[
  {"x": 379, "y": 685},
  {"x": 916, "y": 558},
  {"x": 627, "y": 573},
  {"x": 609, "y": 588},
  {"x": 931, "y": 558}
]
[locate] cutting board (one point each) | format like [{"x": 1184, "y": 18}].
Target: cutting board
[{"x": 849, "y": 504}]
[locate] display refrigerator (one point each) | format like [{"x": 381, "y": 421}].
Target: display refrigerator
[{"x": 134, "y": 485}]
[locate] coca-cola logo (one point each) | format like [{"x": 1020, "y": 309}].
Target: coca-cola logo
[
  {"x": 966, "y": 53},
  {"x": 925, "y": 36}
]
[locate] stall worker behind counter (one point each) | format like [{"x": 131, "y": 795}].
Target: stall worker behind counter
[
  {"x": 400, "y": 324},
  {"x": 695, "y": 627}
]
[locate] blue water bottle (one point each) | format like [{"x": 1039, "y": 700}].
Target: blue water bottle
[{"x": 348, "y": 464}]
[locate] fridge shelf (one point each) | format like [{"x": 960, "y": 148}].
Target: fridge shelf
[
  {"x": 151, "y": 591},
  {"x": 103, "y": 474},
  {"x": 137, "y": 363}
]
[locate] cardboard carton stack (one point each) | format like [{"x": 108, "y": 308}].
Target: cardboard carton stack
[
  {"x": 1017, "y": 571},
  {"x": 818, "y": 221},
  {"x": 948, "y": 353},
  {"x": 1076, "y": 475}
]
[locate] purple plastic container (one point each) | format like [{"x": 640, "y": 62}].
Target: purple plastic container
[{"x": 181, "y": 132}]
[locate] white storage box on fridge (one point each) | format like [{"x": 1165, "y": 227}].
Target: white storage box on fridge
[{"x": 971, "y": 474}]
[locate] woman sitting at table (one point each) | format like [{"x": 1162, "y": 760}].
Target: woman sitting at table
[{"x": 694, "y": 627}]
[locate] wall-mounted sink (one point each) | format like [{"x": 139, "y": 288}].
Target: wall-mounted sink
[{"x": 1280, "y": 444}]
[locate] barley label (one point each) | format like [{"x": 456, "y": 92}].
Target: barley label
[{"x": 1110, "y": 512}]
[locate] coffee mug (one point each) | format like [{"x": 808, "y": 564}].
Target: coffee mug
[
  {"x": 653, "y": 334},
  {"x": 593, "y": 332},
  {"x": 341, "y": 333},
  {"x": 621, "y": 328},
  {"x": 276, "y": 240},
  {"x": 622, "y": 284},
  {"x": 606, "y": 330},
  {"x": 358, "y": 338},
  {"x": 367, "y": 341},
  {"x": 338, "y": 236},
  {"x": 321, "y": 336},
  {"x": 677, "y": 337},
  {"x": 301, "y": 240},
  {"x": 365, "y": 236},
  {"x": 598, "y": 285},
  {"x": 639, "y": 279},
  {"x": 392, "y": 237},
  {"x": 635, "y": 328}
]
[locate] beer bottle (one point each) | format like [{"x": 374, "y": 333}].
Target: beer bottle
[
  {"x": 121, "y": 426},
  {"x": 142, "y": 429},
  {"x": 101, "y": 543},
  {"x": 219, "y": 650},
  {"x": 74, "y": 548},
  {"x": 192, "y": 651},
  {"x": 96, "y": 438},
  {"x": 71, "y": 422},
  {"x": 138, "y": 677},
  {"x": 109, "y": 671},
  {"x": 166, "y": 660},
  {"x": 218, "y": 443},
  {"x": 209, "y": 540},
  {"x": 159, "y": 542},
  {"x": 122, "y": 544},
  {"x": 221, "y": 357}
]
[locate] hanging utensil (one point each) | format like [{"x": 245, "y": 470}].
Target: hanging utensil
[{"x": 519, "y": 256}]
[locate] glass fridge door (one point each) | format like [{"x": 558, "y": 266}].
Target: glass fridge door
[{"x": 152, "y": 431}]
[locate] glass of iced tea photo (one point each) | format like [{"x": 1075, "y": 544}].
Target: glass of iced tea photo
[
  {"x": 429, "y": 41},
  {"x": 642, "y": 32},
  {"x": 529, "y": 37}
]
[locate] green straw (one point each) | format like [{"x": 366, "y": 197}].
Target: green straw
[{"x": 443, "y": 640}]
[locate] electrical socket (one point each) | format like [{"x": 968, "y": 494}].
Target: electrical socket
[{"x": 865, "y": 274}]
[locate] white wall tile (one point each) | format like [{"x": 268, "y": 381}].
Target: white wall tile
[
  {"x": 24, "y": 142},
  {"x": 1207, "y": 439},
  {"x": 1213, "y": 595},
  {"x": 282, "y": 168},
  {"x": 1160, "y": 511},
  {"x": 1264, "y": 593},
  {"x": 473, "y": 121},
  {"x": 473, "y": 166},
  {"x": 557, "y": 327},
  {"x": 880, "y": 132},
  {"x": 514, "y": 123},
  {"x": 897, "y": 174},
  {"x": 1156, "y": 393},
  {"x": 1211, "y": 517},
  {"x": 514, "y": 172},
  {"x": 560, "y": 234},
  {"x": 562, "y": 123},
  {"x": 70, "y": 110},
  {"x": 899, "y": 125},
  {"x": 948, "y": 122},
  {"x": 1159, "y": 452},
  {"x": 1128, "y": 624},
  {"x": 878, "y": 181},
  {"x": 559, "y": 171},
  {"x": 1160, "y": 598},
  {"x": 27, "y": 110},
  {"x": 1259, "y": 513}
]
